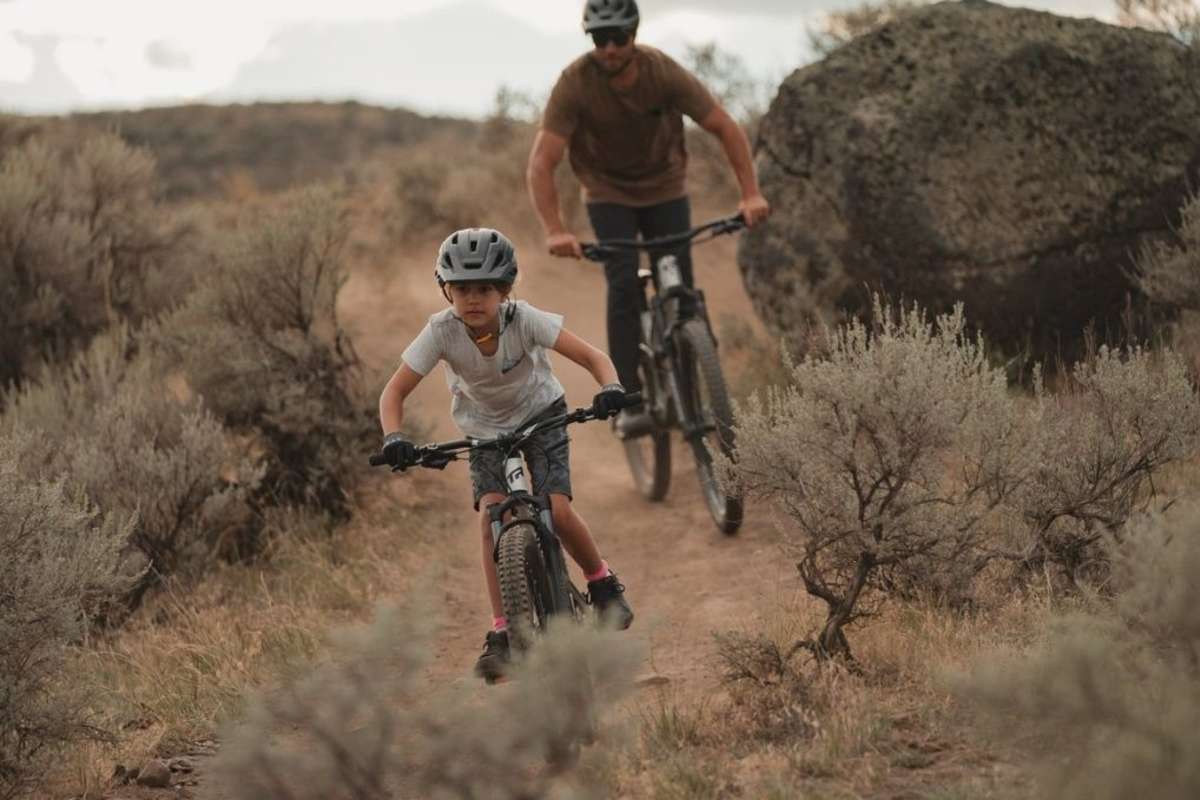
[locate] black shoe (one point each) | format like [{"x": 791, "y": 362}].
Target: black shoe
[
  {"x": 494, "y": 660},
  {"x": 633, "y": 422},
  {"x": 607, "y": 596}
]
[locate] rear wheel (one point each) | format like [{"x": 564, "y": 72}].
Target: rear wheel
[
  {"x": 708, "y": 422},
  {"x": 649, "y": 456},
  {"x": 524, "y": 586}
]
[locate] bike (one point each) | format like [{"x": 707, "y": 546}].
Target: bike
[
  {"x": 534, "y": 584},
  {"x": 683, "y": 386}
]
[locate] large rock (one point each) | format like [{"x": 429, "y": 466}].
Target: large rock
[{"x": 1008, "y": 158}]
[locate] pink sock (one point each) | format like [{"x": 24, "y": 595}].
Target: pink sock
[
  {"x": 603, "y": 572},
  {"x": 499, "y": 623}
]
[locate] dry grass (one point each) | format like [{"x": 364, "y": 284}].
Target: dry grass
[
  {"x": 186, "y": 661},
  {"x": 889, "y": 729}
]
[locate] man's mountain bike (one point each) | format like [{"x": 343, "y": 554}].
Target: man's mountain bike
[
  {"x": 534, "y": 584},
  {"x": 683, "y": 386}
]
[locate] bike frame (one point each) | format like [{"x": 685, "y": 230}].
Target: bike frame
[
  {"x": 660, "y": 321},
  {"x": 518, "y": 493}
]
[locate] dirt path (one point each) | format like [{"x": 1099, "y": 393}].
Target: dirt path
[{"x": 683, "y": 578}]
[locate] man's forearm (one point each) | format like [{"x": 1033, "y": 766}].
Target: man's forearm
[
  {"x": 737, "y": 151},
  {"x": 544, "y": 195}
]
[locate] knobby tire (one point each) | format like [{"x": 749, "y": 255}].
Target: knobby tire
[
  {"x": 649, "y": 456},
  {"x": 706, "y": 399},
  {"x": 524, "y": 586}
]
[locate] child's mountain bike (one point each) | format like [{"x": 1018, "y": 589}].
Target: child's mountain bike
[
  {"x": 683, "y": 386},
  {"x": 534, "y": 584}
]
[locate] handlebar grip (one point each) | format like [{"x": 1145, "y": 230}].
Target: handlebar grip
[
  {"x": 377, "y": 460},
  {"x": 632, "y": 399}
]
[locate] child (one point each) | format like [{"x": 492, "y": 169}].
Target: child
[{"x": 500, "y": 378}]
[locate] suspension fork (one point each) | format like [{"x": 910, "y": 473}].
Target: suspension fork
[{"x": 542, "y": 521}]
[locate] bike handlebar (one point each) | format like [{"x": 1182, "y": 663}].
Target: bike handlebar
[
  {"x": 595, "y": 251},
  {"x": 438, "y": 455}
]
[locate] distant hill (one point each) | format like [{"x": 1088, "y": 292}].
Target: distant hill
[{"x": 276, "y": 145}]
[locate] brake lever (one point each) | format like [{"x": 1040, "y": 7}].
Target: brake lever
[{"x": 438, "y": 460}]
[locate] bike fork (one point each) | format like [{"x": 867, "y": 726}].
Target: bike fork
[{"x": 543, "y": 526}]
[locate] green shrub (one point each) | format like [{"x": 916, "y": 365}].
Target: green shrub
[
  {"x": 1115, "y": 692},
  {"x": 896, "y": 446},
  {"x": 83, "y": 244},
  {"x": 61, "y": 560},
  {"x": 367, "y": 726},
  {"x": 260, "y": 342}
]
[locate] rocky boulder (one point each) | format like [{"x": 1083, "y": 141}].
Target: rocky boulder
[{"x": 1011, "y": 159}]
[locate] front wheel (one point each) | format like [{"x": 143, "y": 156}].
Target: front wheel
[
  {"x": 708, "y": 418},
  {"x": 524, "y": 586},
  {"x": 649, "y": 456}
]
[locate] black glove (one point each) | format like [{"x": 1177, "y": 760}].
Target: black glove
[
  {"x": 398, "y": 451},
  {"x": 608, "y": 401}
]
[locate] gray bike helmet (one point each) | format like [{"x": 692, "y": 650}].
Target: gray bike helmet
[
  {"x": 609, "y": 14},
  {"x": 476, "y": 254}
]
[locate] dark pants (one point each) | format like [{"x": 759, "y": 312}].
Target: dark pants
[{"x": 625, "y": 297}]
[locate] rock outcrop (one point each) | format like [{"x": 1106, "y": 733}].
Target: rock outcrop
[{"x": 1011, "y": 159}]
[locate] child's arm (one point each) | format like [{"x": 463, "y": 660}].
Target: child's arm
[
  {"x": 585, "y": 355},
  {"x": 391, "y": 401}
]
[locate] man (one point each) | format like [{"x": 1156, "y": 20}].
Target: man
[{"x": 619, "y": 111}]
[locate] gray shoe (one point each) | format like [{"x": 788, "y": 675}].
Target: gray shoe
[
  {"x": 494, "y": 661},
  {"x": 607, "y": 596},
  {"x": 633, "y": 422}
]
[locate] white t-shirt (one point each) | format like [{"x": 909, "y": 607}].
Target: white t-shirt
[{"x": 492, "y": 394}]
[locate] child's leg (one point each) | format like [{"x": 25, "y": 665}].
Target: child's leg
[
  {"x": 575, "y": 535},
  {"x": 489, "y": 546}
]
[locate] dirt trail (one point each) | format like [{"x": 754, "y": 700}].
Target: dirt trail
[{"x": 683, "y": 578}]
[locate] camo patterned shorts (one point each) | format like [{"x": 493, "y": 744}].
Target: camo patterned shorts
[{"x": 547, "y": 455}]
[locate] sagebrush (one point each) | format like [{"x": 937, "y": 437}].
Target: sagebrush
[
  {"x": 261, "y": 343},
  {"x": 366, "y": 726},
  {"x": 1120, "y": 418},
  {"x": 1116, "y": 688},
  {"x": 84, "y": 244},
  {"x": 905, "y": 465},
  {"x": 61, "y": 565},
  {"x": 898, "y": 443},
  {"x": 110, "y": 425}
]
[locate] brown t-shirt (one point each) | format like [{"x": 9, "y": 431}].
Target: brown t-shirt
[{"x": 626, "y": 146}]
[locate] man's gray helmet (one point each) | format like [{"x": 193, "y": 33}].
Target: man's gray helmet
[
  {"x": 476, "y": 254},
  {"x": 609, "y": 14}
]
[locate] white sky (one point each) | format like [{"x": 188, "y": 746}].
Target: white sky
[{"x": 128, "y": 53}]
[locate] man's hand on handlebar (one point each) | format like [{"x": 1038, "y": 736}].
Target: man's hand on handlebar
[
  {"x": 564, "y": 245},
  {"x": 398, "y": 452},
  {"x": 755, "y": 209}
]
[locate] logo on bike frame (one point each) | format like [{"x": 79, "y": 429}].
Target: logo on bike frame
[{"x": 517, "y": 474}]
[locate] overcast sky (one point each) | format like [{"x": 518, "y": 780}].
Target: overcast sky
[{"x": 446, "y": 56}]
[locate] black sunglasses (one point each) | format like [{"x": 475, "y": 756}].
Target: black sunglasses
[{"x": 617, "y": 36}]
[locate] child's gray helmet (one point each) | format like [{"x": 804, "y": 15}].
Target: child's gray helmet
[
  {"x": 476, "y": 254},
  {"x": 609, "y": 14}
]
